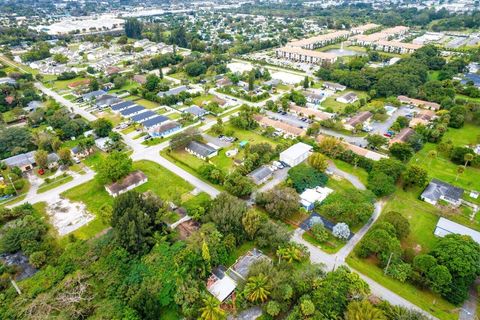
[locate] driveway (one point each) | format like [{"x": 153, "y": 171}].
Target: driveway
[{"x": 382, "y": 127}]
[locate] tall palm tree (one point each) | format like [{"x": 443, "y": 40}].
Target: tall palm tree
[
  {"x": 363, "y": 310},
  {"x": 257, "y": 288},
  {"x": 211, "y": 309},
  {"x": 467, "y": 157}
]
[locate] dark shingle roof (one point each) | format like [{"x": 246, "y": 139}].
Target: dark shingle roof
[
  {"x": 437, "y": 188},
  {"x": 201, "y": 149},
  {"x": 142, "y": 116},
  {"x": 132, "y": 110},
  {"x": 122, "y": 105},
  {"x": 154, "y": 121}
]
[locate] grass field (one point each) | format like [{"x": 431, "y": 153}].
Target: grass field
[
  {"x": 147, "y": 103},
  {"x": 445, "y": 170},
  {"x": 160, "y": 181},
  {"x": 360, "y": 173},
  {"x": 467, "y": 135},
  {"x": 203, "y": 99},
  {"x": 63, "y": 84},
  {"x": 332, "y": 245},
  {"x": 57, "y": 181}
]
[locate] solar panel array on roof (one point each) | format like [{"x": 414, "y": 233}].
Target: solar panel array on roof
[
  {"x": 143, "y": 116},
  {"x": 122, "y": 105},
  {"x": 154, "y": 121},
  {"x": 132, "y": 110}
]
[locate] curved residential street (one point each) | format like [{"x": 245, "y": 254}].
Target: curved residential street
[{"x": 332, "y": 261}]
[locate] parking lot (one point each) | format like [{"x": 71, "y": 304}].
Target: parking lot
[{"x": 289, "y": 118}]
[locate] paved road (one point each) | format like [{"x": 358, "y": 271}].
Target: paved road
[
  {"x": 331, "y": 261},
  {"x": 469, "y": 308},
  {"x": 70, "y": 105},
  {"x": 54, "y": 193}
]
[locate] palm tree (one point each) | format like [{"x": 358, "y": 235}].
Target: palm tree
[
  {"x": 290, "y": 253},
  {"x": 432, "y": 154},
  {"x": 467, "y": 157},
  {"x": 460, "y": 170},
  {"x": 211, "y": 309},
  {"x": 363, "y": 310},
  {"x": 257, "y": 288}
]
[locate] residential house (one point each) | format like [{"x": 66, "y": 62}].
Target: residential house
[
  {"x": 220, "y": 285},
  {"x": 359, "y": 118},
  {"x": 131, "y": 181},
  {"x": 106, "y": 101},
  {"x": 349, "y": 97},
  {"x": 144, "y": 116},
  {"x": 173, "y": 91},
  {"x": 369, "y": 154},
  {"x": 438, "y": 190},
  {"x": 25, "y": 161},
  {"x": 130, "y": 112},
  {"x": 334, "y": 86},
  {"x": 260, "y": 175},
  {"x": 310, "y": 197},
  {"x": 286, "y": 129},
  {"x": 103, "y": 143},
  {"x": 309, "y": 112},
  {"x": 154, "y": 122},
  {"x": 419, "y": 103},
  {"x": 122, "y": 106},
  {"x": 7, "y": 80},
  {"x": 424, "y": 117},
  {"x": 445, "y": 227},
  {"x": 201, "y": 150},
  {"x": 402, "y": 136},
  {"x": 472, "y": 77},
  {"x": 32, "y": 106},
  {"x": 93, "y": 95},
  {"x": 296, "y": 154},
  {"x": 140, "y": 78},
  {"x": 165, "y": 129},
  {"x": 196, "y": 111}
]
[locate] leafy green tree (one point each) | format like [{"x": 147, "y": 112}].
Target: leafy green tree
[
  {"x": 401, "y": 151},
  {"x": 133, "y": 28},
  {"x": 102, "y": 127},
  {"x": 227, "y": 212},
  {"x": 399, "y": 222},
  {"x": 114, "y": 167},
  {"x": 180, "y": 141},
  {"x": 152, "y": 82},
  {"x": 381, "y": 184},
  {"x": 319, "y": 232},
  {"x": 135, "y": 219},
  {"x": 415, "y": 176},
  {"x": 440, "y": 279},
  {"x": 41, "y": 158},
  {"x": 238, "y": 184},
  {"x": 376, "y": 140},
  {"x": 65, "y": 155},
  {"x": 303, "y": 177},
  {"x": 318, "y": 161},
  {"x": 273, "y": 308},
  {"x": 279, "y": 202},
  {"x": 252, "y": 221}
]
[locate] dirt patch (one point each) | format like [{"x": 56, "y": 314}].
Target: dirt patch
[{"x": 67, "y": 216}]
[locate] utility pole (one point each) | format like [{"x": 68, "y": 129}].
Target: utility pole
[
  {"x": 9, "y": 178},
  {"x": 388, "y": 263}
]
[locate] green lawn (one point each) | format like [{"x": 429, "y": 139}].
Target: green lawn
[
  {"x": 252, "y": 136},
  {"x": 56, "y": 182},
  {"x": 445, "y": 170},
  {"x": 63, "y": 84},
  {"x": 428, "y": 301},
  {"x": 114, "y": 118},
  {"x": 188, "y": 159},
  {"x": 332, "y": 245},
  {"x": 203, "y": 99},
  {"x": 147, "y": 103},
  {"x": 360, "y": 173},
  {"x": 467, "y": 135},
  {"x": 161, "y": 181},
  {"x": 94, "y": 159},
  {"x": 336, "y": 106},
  {"x": 422, "y": 216}
]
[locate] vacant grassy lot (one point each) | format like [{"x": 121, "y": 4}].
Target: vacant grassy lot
[
  {"x": 467, "y": 135},
  {"x": 445, "y": 170},
  {"x": 147, "y": 103},
  {"x": 57, "y": 181},
  {"x": 160, "y": 181}
]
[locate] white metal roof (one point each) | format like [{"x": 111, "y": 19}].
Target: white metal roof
[
  {"x": 296, "y": 150},
  {"x": 222, "y": 288},
  {"x": 446, "y": 227}
]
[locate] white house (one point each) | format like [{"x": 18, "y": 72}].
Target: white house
[
  {"x": 311, "y": 196},
  {"x": 128, "y": 183},
  {"x": 296, "y": 154}
]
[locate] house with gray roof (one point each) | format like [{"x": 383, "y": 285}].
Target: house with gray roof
[
  {"x": 173, "y": 91},
  {"x": 122, "y": 106},
  {"x": 201, "y": 150},
  {"x": 130, "y": 112},
  {"x": 196, "y": 111},
  {"x": 106, "y": 101},
  {"x": 260, "y": 175},
  {"x": 143, "y": 116},
  {"x": 445, "y": 227},
  {"x": 93, "y": 95},
  {"x": 154, "y": 122},
  {"x": 164, "y": 129},
  {"x": 24, "y": 161},
  {"x": 438, "y": 190},
  {"x": 32, "y": 106}
]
